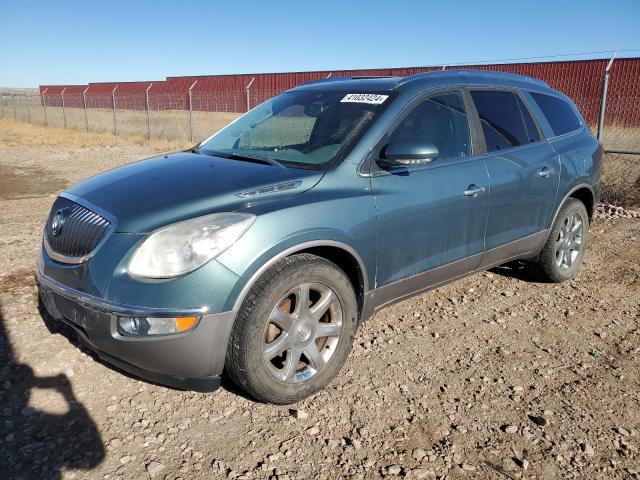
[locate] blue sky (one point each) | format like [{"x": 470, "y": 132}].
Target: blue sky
[{"x": 65, "y": 42}]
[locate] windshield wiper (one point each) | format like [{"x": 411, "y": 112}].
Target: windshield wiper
[{"x": 250, "y": 157}]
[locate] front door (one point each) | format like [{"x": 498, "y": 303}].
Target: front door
[{"x": 431, "y": 218}]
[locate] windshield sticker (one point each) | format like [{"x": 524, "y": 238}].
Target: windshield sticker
[{"x": 372, "y": 98}]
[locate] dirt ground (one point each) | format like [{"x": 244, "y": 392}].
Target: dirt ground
[{"x": 493, "y": 377}]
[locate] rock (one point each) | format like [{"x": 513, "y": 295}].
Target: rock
[
  {"x": 467, "y": 468},
  {"x": 368, "y": 463},
  {"x": 112, "y": 408},
  {"x": 357, "y": 444},
  {"x": 154, "y": 468},
  {"x": 622, "y": 431},
  {"x": 299, "y": 414},
  {"x": 423, "y": 474},
  {"x": 125, "y": 459},
  {"x": 419, "y": 454},
  {"x": 510, "y": 429},
  {"x": 394, "y": 470},
  {"x": 587, "y": 449},
  {"x": 435, "y": 335},
  {"x": 539, "y": 420},
  {"x": 312, "y": 431}
]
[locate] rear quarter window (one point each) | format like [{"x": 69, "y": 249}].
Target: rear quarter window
[{"x": 559, "y": 113}]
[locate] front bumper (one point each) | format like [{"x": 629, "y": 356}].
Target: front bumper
[{"x": 192, "y": 360}]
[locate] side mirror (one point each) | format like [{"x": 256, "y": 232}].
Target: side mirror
[{"x": 408, "y": 152}]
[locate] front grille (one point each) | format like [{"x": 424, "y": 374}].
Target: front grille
[{"x": 79, "y": 230}]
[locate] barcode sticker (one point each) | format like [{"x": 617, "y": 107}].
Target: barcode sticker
[{"x": 372, "y": 98}]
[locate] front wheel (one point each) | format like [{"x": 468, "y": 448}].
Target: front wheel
[
  {"x": 563, "y": 252},
  {"x": 294, "y": 330}
]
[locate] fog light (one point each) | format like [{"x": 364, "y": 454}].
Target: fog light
[{"x": 139, "y": 326}]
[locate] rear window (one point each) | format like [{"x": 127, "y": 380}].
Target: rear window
[
  {"x": 559, "y": 113},
  {"x": 501, "y": 119}
]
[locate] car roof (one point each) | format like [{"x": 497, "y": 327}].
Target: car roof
[{"x": 426, "y": 81}]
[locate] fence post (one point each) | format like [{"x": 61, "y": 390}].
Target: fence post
[
  {"x": 13, "y": 99},
  {"x": 64, "y": 113},
  {"x": 29, "y": 108},
  {"x": 44, "y": 105},
  {"x": 191, "y": 111},
  {"x": 115, "y": 121},
  {"x": 2, "y": 103},
  {"x": 249, "y": 94},
  {"x": 84, "y": 106},
  {"x": 146, "y": 93},
  {"x": 603, "y": 99}
]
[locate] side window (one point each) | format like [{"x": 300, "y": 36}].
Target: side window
[
  {"x": 532, "y": 130},
  {"x": 441, "y": 120},
  {"x": 559, "y": 113},
  {"x": 501, "y": 120}
]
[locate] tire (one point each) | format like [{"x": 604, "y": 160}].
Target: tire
[
  {"x": 563, "y": 251},
  {"x": 275, "y": 325}
]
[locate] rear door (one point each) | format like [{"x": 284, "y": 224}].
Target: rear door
[{"x": 523, "y": 168}]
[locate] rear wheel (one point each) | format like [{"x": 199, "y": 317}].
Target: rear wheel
[
  {"x": 563, "y": 252},
  {"x": 294, "y": 330}
]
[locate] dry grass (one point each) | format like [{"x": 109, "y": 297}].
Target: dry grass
[
  {"x": 18, "y": 133},
  {"x": 621, "y": 180},
  {"x": 165, "y": 124}
]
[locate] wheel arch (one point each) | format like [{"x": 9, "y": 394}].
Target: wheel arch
[
  {"x": 586, "y": 196},
  {"x": 584, "y": 193},
  {"x": 343, "y": 255}
]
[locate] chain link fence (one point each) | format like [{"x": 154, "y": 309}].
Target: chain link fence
[
  {"x": 196, "y": 115},
  {"x": 163, "y": 115}
]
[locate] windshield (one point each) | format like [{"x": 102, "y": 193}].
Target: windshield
[{"x": 308, "y": 129}]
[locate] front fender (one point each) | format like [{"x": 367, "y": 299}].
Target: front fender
[{"x": 289, "y": 246}]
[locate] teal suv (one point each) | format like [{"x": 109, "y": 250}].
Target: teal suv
[{"x": 259, "y": 251}]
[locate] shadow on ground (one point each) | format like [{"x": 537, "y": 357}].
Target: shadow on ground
[
  {"x": 519, "y": 270},
  {"x": 35, "y": 443}
]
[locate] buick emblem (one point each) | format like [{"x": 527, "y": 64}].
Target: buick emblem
[{"x": 57, "y": 222}]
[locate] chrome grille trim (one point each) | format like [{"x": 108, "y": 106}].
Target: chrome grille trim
[{"x": 87, "y": 228}]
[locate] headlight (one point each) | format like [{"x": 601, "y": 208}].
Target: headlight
[{"x": 182, "y": 247}]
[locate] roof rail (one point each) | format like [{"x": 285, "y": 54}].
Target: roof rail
[
  {"x": 487, "y": 74},
  {"x": 323, "y": 80},
  {"x": 354, "y": 77},
  {"x": 365, "y": 77}
]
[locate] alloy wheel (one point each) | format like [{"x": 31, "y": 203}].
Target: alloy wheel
[
  {"x": 302, "y": 333},
  {"x": 569, "y": 241}
]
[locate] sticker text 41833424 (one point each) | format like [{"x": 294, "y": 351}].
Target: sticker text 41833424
[{"x": 372, "y": 98}]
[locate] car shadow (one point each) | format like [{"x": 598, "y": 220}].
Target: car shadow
[
  {"x": 36, "y": 443},
  {"x": 519, "y": 270}
]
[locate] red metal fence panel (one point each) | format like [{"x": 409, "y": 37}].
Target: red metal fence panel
[{"x": 580, "y": 80}]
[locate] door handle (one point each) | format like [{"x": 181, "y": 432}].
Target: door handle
[
  {"x": 545, "y": 172},
  {"x": 473, "y": 191}
]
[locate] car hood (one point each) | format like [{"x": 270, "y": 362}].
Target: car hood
[{"x": 146, "y": 195}]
